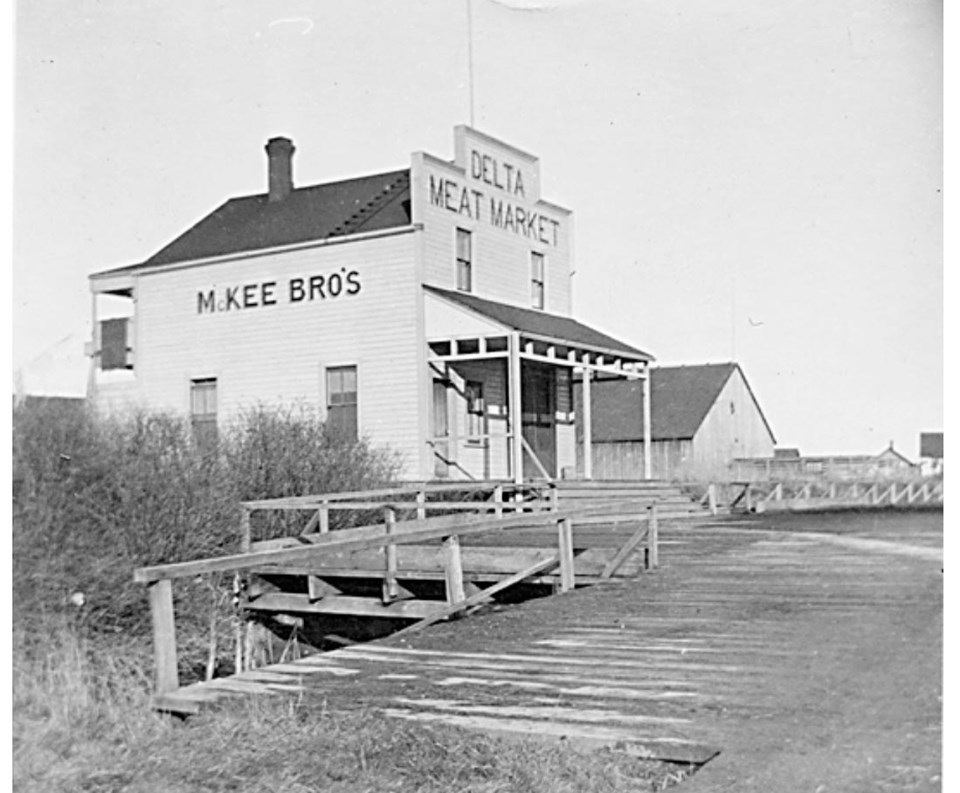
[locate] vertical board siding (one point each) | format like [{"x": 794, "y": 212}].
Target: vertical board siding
[
  {"x": 724, "y": 436},
  {"x": 277, "y": 353}
]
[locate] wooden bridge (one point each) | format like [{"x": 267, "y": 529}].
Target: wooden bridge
[
  {"x": 741, "y": 632},
  {"x": 435, "y": 551}
]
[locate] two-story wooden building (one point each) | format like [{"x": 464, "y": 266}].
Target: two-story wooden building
[{"x": 426, "y": 308}]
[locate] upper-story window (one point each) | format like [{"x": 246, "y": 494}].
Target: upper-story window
[
  {"x": 464, "y": 260},
  {"x": 536, "y": 279}
]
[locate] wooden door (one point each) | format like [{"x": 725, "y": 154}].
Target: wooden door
[{"x": 538, "y": 397}]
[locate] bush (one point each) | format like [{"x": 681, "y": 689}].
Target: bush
[{"x": 97, "y": 497}]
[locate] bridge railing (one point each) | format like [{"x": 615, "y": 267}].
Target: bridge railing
[{"x": 448, "y": 530}]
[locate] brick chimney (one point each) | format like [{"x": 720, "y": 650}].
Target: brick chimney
[{"x": 280, "y": 171}]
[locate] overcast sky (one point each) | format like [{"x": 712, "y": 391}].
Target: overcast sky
[{"x": 752, "y": 181}]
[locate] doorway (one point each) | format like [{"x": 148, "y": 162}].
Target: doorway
[{"x": 538, "y": 400}]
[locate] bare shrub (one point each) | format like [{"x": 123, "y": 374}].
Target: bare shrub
[{"x": 96, "y": 497}]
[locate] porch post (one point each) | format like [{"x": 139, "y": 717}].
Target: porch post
[
  {"x": 514, "y": 407},
  {"x": 587, "y": 424},
  {"x": 647, "y": 451}
]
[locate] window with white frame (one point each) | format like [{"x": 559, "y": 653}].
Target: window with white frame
[
  {"x": 342, "y": 401},
  {"x": 536, "y": 279},
  {"x": 464, "y": 260}
]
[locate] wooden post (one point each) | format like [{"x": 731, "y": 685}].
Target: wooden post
[
  {"x": 324, "y": 517},
  {"x": 245, "y": 532},
  {"x": 453, "y": 570},
  {"x": 565, "y": 543},
  {"x": 498, "y": 501},
  {"x": 653, "y": 555},
  {"x": 712, "y": 498},
  {"x": 749, "y": 498},
  {"x": 164, "y": 636},
  {"x": 647, "y": 419},
  {"x": 514, "y": 408},
  {"x": 587, "y": 423},
  {"x": 390, "y": 589},
  {"x": 421, "y": 503}
]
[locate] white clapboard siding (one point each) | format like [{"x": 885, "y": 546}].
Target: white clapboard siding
[
  {"x": 277, "y": 353},
  {"x": 501, "y": 256}
]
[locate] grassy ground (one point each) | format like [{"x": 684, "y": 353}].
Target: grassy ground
[{"x": 82, "y": 722}]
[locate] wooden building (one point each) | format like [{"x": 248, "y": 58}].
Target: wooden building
[
  {"x": 427, "y": 308},
  {"x": 888, "y": 464},
  {"x": 702, "y": 417}
]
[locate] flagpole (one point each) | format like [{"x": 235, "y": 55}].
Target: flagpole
[{"x": 470, "y": 55}]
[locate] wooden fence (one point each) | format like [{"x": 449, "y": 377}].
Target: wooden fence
[{"x": 758, "y": 497}]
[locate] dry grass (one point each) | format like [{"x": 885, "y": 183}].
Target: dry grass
[{"x": 82, "y": 723}]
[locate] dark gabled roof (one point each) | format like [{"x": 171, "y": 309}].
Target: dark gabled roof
[
  {"x": 252, "y": 223},
  {"x": 680, "y": 398},
  {"x": 543, "y": 325}
]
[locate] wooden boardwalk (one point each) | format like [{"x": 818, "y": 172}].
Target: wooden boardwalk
[{"x": 659, "y": 664}]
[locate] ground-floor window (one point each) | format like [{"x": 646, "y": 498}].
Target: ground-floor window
[
  {"x": 203, "y": 412},
  {"x": 473, "y": 391},
  {"x": 342, "y": 401}
]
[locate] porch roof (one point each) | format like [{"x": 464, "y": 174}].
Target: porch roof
[{"x": 543, "y": 326}]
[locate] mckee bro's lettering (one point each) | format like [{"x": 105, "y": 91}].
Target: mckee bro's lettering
[{"x": 308, "y": 288}]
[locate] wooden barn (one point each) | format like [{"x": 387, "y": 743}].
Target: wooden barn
[{"x": 702, "y": 418}]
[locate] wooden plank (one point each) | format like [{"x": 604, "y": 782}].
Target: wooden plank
[
  {"x": 407, "y": 490},
  {"x": 164, "y": 637},
  {"x": 453, "y": 569},
  {"x": 318, "y": 589},
  {"x": 565, "y": 546},
  {"x": 626, "y": 549},
  {"x": 344, "y": 604},
  {"x": 176, "y": 703},
  {"x": 245, "y": 532},
  {"x": 539, "y": 567},
  {"x": 390, "y": 590},
  {"x": 409, "y": 532},
  {"x": 653, "y": 541},
  {"x": 413, "y": 561}
]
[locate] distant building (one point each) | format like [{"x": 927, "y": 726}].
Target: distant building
[
  {"x": 931, "y": 453},
  {"x": 702, "y": 418},
  {"x": 888, "y": 464}
]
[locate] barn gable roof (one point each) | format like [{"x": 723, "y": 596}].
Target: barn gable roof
[
  {"x": 680, "y": 399},
  {"x": 252, "y": 223}
]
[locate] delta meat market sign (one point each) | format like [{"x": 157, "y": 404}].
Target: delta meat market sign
[{"x": 495, "y": 193}]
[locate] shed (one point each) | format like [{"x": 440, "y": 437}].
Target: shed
[{"x": 702, "y": 418}]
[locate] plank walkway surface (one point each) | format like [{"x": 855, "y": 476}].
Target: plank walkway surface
[{"x": 668, "y": 664}]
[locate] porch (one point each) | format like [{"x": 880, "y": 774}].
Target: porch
[{"x": 501, "y": 382}]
